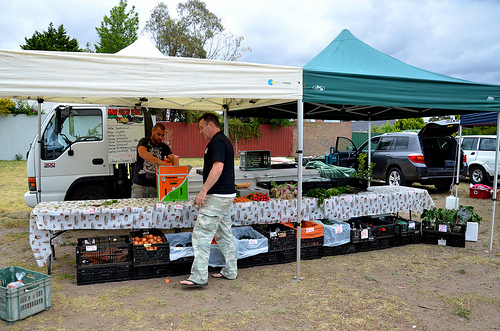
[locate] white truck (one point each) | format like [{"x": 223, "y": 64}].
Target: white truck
[{"x": 87, "y": 152}]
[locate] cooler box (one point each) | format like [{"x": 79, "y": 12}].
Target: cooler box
[
  {"x": 172, "y": 183},
  {"x": 480, "y": 194}
]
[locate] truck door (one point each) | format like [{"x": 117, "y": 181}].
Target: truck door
[{"x": 73, "y": 147}]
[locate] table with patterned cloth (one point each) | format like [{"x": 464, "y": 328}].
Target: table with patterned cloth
[{"x": 49, "y": 218}]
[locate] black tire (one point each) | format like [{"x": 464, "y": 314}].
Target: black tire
[
  {"x": 444, "y": 185},
  {"x": 94, "y": 192},
  {"x": 395, "y": 177},
  {"x": 477, "y": 175}
]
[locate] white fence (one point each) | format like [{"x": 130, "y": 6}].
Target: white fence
[{"x": 16, "y": 135}]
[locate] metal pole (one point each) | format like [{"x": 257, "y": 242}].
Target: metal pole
[
  {"x": 369, "y": 145},
  {"x": 300, "y": 143},
  {"x": 459, "y": 161},
  {"x": 39, "y": 156},
  {"x": 495, "y": 186}
]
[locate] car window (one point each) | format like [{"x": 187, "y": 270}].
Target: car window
[
  {"x": 402, "y": 143},
  {"x": 386, "y": 144},
  {"x": 469, "y": 144},
  {"x": 373, "y": 146},
  {"x": 487, "y": 144}
]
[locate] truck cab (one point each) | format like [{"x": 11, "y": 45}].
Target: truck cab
[{"x": 74, "y": 158}]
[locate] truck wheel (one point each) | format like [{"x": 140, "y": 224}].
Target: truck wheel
[
  {"x": 395, "y": 177},
  {"x": 477, "y": 175},
  {"x": 95, "y": 192}
]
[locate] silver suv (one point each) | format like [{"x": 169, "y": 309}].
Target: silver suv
[
  {"x": 480, "y": 151},
  {"x": 402, "y": 158}
]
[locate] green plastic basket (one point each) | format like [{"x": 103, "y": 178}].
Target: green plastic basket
[{"x": 26, "y": 300}]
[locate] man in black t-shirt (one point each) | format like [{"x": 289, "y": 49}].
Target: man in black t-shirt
[
  {"x": 151, "y": 152},
  {"x": 214, "y": 201}
]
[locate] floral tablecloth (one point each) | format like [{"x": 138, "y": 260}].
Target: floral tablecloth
[{"x": 48, "y": 218}]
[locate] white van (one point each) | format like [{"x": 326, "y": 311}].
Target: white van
[{"x": 480, "y": 151}]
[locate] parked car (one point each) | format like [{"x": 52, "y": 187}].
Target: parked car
[
  {"x": 480, "y": 151},
  {"x": 428, "y": 157}
]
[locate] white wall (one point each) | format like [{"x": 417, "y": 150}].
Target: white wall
[{"x": 16, "y": 135}]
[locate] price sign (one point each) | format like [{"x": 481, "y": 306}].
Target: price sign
[
  {"x": 338, "y": 228},
  {"x": 91, "y": 248},
  {"x": 364, "y": 234}
]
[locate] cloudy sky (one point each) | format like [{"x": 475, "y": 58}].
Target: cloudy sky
[{"x": 459, "y": 38}]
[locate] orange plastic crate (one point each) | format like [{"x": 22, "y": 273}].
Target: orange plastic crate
[{"x": 309, "y": 229}]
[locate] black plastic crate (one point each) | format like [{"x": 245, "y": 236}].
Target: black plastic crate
[
  {"x": 376, "y": 227},
  {"x": 151, "y": 271},
  {"x": 385, "y": 242},
  {"x": 339, "y": 250},
  {"x": 268, "y": 258},
  {"x": 280, "y": 237},
  {"x": 152, "y": 253},
  {"x": 255, "y": 160},
  {"x": 181, "y": 266},
  {"x": 311, "y": 252},
  {"x": 358, "y": 226},
  {"x": 406, "y": 239},
  {"x": 287, "y": 256},
  {"x": 259, "y": 260},
  {"x": 455, "y": 239},
  {"x": 103, "y": 274},
  {"x": 311, "y": 242},
  {"x": 367, "y": 245},
  {"x": 403, "y": 226},
  {"x": 103, "y": 251}
]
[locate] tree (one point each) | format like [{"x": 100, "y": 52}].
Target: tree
[
  {"x": 52, "y": 40},
  {"x": 118, "y": 30},
  {"x": 406, "y": 124},
  {"x": 196, "y": 33}
]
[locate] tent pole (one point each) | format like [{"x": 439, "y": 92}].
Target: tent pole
[
  {"x": 459, "y": 161},
  {"x": 226, "y": 124},
  {"x": 39, "y": 151},
  {"x": 495, "y": 186},
  {"x": 300, "y": 143},
  {"x": 369, "y": 145}
]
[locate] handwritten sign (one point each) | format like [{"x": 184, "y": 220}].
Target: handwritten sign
[{"x": 125, "y": 129}]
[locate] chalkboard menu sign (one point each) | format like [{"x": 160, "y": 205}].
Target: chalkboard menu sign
[{"x": 125, "y": 129}]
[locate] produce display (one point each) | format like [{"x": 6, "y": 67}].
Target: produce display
[
  {"x": 241, "y": 199},
  {"x": 284, "y": 191},
  {"x": 321, "y": 193},
  {"x": 257, "y": 196},
  {"x": 148, "y": 240}
]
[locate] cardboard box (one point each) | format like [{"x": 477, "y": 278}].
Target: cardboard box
[
  {"x": 480, "y": 194},
  {"x": 172, "y": 183}
]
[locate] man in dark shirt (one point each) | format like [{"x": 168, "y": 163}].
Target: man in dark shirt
[
  {"x": 214, "y": 201},
  {"x": 151, "y": 152}
]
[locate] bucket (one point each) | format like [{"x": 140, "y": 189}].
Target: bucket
[{"x": 452, "y": 202}]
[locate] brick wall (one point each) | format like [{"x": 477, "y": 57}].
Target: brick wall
[{"x": 319, "y": 136}]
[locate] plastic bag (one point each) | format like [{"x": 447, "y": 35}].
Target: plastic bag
[{"x": 19, "y": 276}]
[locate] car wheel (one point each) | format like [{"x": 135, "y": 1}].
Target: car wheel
[
  {"x": 395, "y": 177},
  {"x": 89, "y": 193},
  {"x": 477, "y": 175}
]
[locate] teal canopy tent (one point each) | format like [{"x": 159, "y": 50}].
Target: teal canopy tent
[{"x": 350, "y": 80}]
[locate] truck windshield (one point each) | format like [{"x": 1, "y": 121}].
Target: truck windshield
[{"x": 76, "y": 125}]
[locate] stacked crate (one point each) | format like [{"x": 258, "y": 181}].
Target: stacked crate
[
  {"x": 103, "y": 259},
  {"x": 150, "y": 259}
]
